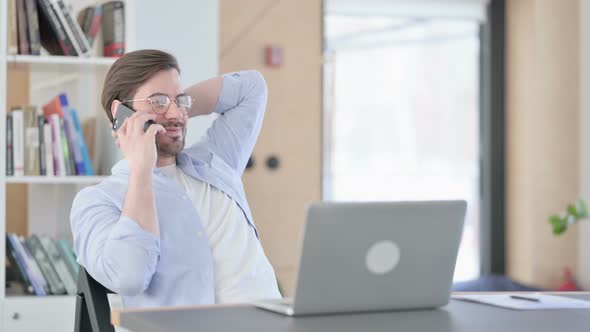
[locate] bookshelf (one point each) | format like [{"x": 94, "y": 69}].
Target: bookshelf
[
  {"x": 45, "y": 201},
  {"x": 60, "y": 60},
  {"x": 81, "y": 180},
  {"x": 41, "y": 205}
]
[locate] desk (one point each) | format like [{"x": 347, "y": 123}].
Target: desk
[{"x": 458, "y": 316}]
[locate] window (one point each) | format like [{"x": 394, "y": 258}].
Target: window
[{"x": 401, "y": 117}]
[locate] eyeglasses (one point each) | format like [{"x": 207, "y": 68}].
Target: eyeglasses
[{"x": 161, "y": 103}]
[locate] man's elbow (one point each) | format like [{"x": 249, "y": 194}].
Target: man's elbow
[
  {"x": 129, "y": 279},
  {"x": 258, "y": 82},
  {"x": 129, "y": 285}
]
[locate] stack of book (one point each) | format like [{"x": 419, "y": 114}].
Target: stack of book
[
  {"x": 48, "y": 142},
  {"x": 41, "y": 265},
  {"x": 50, "y": 24}
]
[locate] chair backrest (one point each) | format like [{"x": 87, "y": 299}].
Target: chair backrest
[{"x": 93, "y": 313}]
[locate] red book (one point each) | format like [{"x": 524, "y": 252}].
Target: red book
[
  {"x": 53, "y": 107},
  {"x": 113, "y": 28},
  {"x": 95, "y": 25}
]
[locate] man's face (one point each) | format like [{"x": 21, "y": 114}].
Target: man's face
[{"x": 165, "y": 82}]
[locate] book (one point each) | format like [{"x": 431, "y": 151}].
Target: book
[
  {"x": 17, "y": 262},
  {"x": 53, "y": 35},
  {"x": 39, "y": 284},
  {"x": 66, "y": 26},
  {"x": 82, "y": 143},
  {"x": 12, "y": 28},
  {"x": 33, "y": 27},
  {"x": 53, "y": 107},
  {"x": 56, "y": 286},
  {"x": 31, "y": 131},
  {"x": 58, "y": 156},
  {"x": 79, "y": 36},
  {"x": 72, "y": 136},
  {"x": 9, "y": 150},
  {"x": 70, "y": 258},
  {"x": 59, "y": 264},
  {"x": 23, "y": 34},
  {"x": 42, "y": 153},
  {"x": 89, "y": 129},
  {"x": 113, "y": 28},
  {"x": 34, "y": 267},
  {"x": 85, "y": 18},
  {"x": 96, "y": 24},
  {"x": 49, "y": 160},
  {"x": 64, "y": 166},
  {"x": 18, "y": 143},
  {"x": 92, "y": 21},
  {"x": 65, "y": 148}
]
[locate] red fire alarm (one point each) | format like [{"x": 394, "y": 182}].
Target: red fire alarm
[{"x": 274, "y": 56}]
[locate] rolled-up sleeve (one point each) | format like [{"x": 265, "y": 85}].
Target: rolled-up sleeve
[
  {"x": 241, "y": 105},
  {"x": 114, "y": 249}
]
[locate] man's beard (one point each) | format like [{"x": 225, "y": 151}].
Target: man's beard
[{"x": 171, "y": 149}]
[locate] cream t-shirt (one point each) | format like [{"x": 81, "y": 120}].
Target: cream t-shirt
[{"x": 242, "y": 271}]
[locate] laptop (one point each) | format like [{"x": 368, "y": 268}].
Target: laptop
[{"x": 359, "y": 257}]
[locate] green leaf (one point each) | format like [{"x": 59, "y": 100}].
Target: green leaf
[
  {"x": 559, "y": 229},
  {"x": 554, "y": 220},
  {"x": 581, "y": 208},
  {"x": 571, "y": 209},
  {"x": 559, "y": 224}
]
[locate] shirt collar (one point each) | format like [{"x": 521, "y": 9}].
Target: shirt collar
[{"x": 122, "y": 166}]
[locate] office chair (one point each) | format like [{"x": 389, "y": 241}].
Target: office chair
[{"x": 93, "y": 313}]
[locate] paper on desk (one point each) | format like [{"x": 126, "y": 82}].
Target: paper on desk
[{"x": 505, "y": 301}]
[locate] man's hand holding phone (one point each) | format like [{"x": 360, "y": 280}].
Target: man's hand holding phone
[
  {"x": 138, "y": 145},
  {"x": 123, "y": 112}
]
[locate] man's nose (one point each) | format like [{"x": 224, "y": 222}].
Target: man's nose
[{"x": 174, "y": 112}]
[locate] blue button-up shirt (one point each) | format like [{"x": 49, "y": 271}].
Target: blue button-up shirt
[{"x": 176, "y": 267}]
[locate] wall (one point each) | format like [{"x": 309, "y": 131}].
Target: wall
[
  {"x": 542, "y": 58},
  {"x": 584, "y": 124},
  {"x": 193, "y": 40},
  {"x": 292, "y": 126},
  {"x": 16, "y": 194}
]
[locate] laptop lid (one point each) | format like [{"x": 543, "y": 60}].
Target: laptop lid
[{"x": 378, "y": 256}]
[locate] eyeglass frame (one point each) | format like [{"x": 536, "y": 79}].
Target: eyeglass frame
[{"x": 167, "y": 107}]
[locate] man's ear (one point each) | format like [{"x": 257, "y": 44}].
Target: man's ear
[{"x": 114, "y": 106}]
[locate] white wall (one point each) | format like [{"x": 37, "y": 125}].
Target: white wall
[
  {"x": 584, "y": 234},
  {"x": 187, "y": 29}
]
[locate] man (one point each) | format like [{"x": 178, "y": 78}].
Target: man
[{"x": 171, "y": 226}]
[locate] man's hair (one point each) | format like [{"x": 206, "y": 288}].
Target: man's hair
[{"x": 131, "y": 71}]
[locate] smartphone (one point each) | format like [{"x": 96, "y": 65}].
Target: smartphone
[{"x": 123, "y": 112}]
